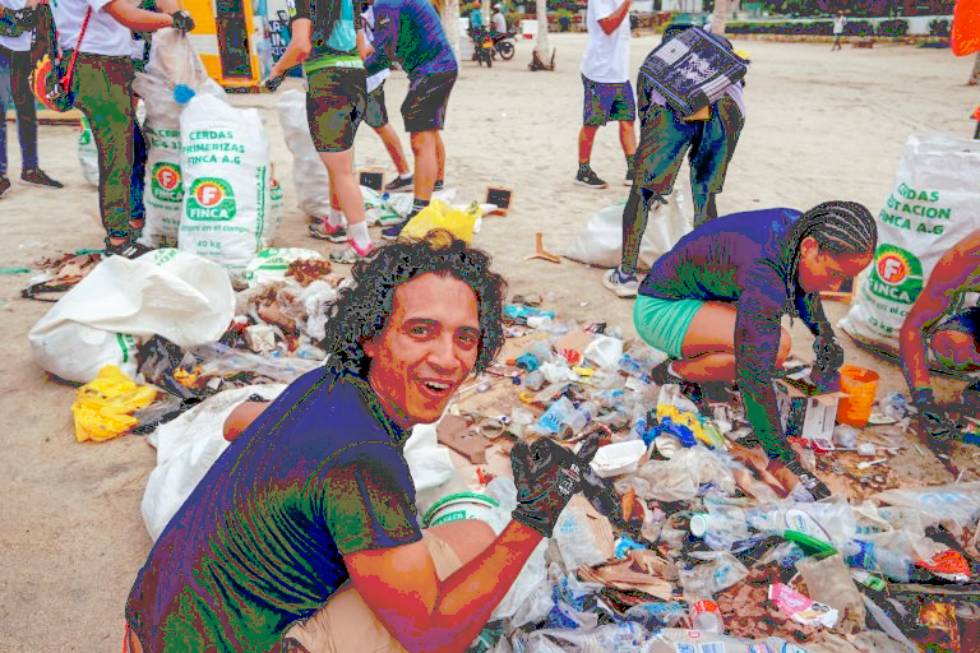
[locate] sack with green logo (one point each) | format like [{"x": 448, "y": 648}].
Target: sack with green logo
[
  {"x": 934, "y": 204},
  {"x": 88, "y": 155},
  {"x": 225, "y": 164},
  {"x": 173, "y": 63}
]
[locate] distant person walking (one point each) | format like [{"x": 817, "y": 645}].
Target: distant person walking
[
  {"x": 975, "y": 75},
  {"x": 839, "y": 24},
  {"x": 608, "y": 92},
  {"x": 15, "y": 87}
]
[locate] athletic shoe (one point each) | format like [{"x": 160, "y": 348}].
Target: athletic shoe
[
  {"x": 4, "y": 185},
  {"x": 400, "y": 185},
  {"x": 37, "y": 177},
  {"x": 811, "y": 483},
  {"x": 392, "y": 232},
  {"x": 350, "y": 254},
  {"x": 622, "y": 284},
  {"x": 324, "y": 231},
  {"x": 129, "y": 250},
  {"x": 588, "y": 178},
  {"x": 438, "y": 186}
]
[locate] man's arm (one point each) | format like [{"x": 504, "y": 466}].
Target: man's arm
[
  {"x": 386, "y": 25},
  {"x": 611, "y": 23},
  {"x": 401, "y": 587},
  {"x": 955, "y": 266},
  {"x": 136, "y": 19},
  {"x": 299, "y": 48}
]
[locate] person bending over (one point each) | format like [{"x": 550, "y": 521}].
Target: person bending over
[
  {"x": 316, "y": 491},
  {"x": 714, "y": 304}
]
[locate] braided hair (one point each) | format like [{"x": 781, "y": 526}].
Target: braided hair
[{"x": 838, "y": 227}]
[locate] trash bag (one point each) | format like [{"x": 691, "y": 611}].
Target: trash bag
[
  {"x": 88, "y": 154},
  {"x": 103, "y": 407},
  {"x": 225, "y": 164},
  {"x": 309, "y": 173},
  {"x": 173, "y": 62},
  {"x": 933, "y": 206},
  {"x": 186, "y": 449},
  {"x": 439, "y": 215},
  {"x": 182, "y": 297},
  {"x": 600, "y": 243}
]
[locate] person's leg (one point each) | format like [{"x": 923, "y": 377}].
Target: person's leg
[
  {"x": 393, "y": 145},
  {"x": 586, "y": 139},
  {"x": 347, "y": 625},
  {"x": 348, "y": 191},
  {"x": 975, "y": 75},
  {"x": 712, "y": 150},
  {"x": 103, "y": 93},
  {"x": 424, "y": 112},
  {"x": 20, "y": 84},
  {"x": 440, "y": 158},
  {"x": 635, "y": 216},
  {"x": 426, "y": 163},
  {"x": 623, "y": 111},
  {"x": 137, "y": 183},
  {"x": 6, "y": 96}
]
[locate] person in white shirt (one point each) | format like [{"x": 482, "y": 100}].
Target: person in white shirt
[
  {"x": 15, "y": 87},
  {"x": 103, "y": 90},
  {"x": 608, "y": 92},
  {"x": 839, "y": 24},
  {"x": 498, "y": 21}
]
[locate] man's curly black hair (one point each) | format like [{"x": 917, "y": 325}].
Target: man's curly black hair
[{"x": 361, "y": 311}]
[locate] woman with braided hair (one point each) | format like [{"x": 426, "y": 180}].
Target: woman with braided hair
[{"x": 715, "y": 301}]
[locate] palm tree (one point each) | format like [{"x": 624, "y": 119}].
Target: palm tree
[
  {"x": 720, "y": 15},
  {"x": 449, "y": 9},
  {"x": 541, "y": 48}
]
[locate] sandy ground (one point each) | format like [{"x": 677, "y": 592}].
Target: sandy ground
[{"x": 820, "y": 126}]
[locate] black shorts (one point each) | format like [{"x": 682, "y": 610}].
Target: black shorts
[
  {"x": 377, "y": 112},
  {"x": 336, "y": 101},
  {"x": 424, "y": 108}
]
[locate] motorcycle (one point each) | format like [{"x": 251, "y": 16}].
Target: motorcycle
[
  {"x": 483, "y": 50},
  {"x": 502, "y": 45}
]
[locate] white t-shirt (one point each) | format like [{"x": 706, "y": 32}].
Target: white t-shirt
[
  {"x": 839, "y": 23},
  {"x": 378, "y": 78},
  {"x": 607, "y": 56},
  {"x": 103, "y": 36},
  {"x": 499, "y": 22},
  {"x": 20, "y": 43}
]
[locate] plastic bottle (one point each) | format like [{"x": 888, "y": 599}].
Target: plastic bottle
[
  {"x": 892, "y": 564},
  {"x": 706, "y": 617}
]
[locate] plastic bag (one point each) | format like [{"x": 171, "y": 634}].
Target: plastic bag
[
  {"x": 88, "y": 154},
  {"x": 103, "y": 407},
  {"x": 430, "y": 463},
  {"x": 186, "y": 449},
  {"x": 225, "y": 165},
  {"x": 681, "y": 477},
  {"x": 600, "y": 243},
  {"x": 271, "y": 264},
  {"x": 828, "y": 581},
  {"x": 309, "y": 173},
  {"x": 439, "y": 215},
  {"x": 932, "y": 207},
  {"x": 957, "y": 502},
  {"x": 177, "y": 295},
  {"x": 579, "y": 540}
]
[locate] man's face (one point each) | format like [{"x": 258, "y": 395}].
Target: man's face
[
  {"x": 822, "y": 271},
  {"x": 427, "y": 348}
]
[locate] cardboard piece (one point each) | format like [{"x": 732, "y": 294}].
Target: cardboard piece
[
  {"x": 455, "y": 433},
  {"x": 373, "y": 178},
  {"x": 806, "y": 413}
]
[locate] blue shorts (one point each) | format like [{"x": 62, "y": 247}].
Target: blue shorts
[{"x": 605, "y": 102}]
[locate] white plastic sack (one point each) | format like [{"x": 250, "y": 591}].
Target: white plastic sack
[
  {"x": 933, "y": 205},
  {"x": 429, "y": 462},
  {"x": 88, "y": 154},
  {"x": 172, "y": 61},
  {"x": 309, "y": 173},
  {"x": 186, "y": 449},
  {"x": 179, "y": 296},
  {"x": 225, "y": 163},
  {"x": 276, "y": 209},
  {"x": 600, "y": 243}
]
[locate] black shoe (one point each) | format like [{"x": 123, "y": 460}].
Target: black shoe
[
  {"x": 438, "y": 186},
  {"x": 37, "y": 177},
  {"x": 813, "y": 485},
  {"x": 588, "y": 178},
  {"x": 4, "y": 185},
  {"x": 128, "y": 250},
  {"x": 400, "y": 185}
]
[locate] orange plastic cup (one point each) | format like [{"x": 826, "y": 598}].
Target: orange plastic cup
[{"x": 861, "y": 386}]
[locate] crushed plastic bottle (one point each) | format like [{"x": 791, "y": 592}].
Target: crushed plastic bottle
[
  {"x": 867, "y": 555},
  {"x": 706, "y": 617}
]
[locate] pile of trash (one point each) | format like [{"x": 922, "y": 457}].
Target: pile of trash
[{"x": 689, "y": 548}]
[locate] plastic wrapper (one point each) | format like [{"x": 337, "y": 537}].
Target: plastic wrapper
[{"x": 681, "y": 477}]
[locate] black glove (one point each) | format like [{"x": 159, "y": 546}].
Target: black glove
[
  {"x": 932, "y": 419},
  {"x": 546, "y": 475},
  {"x": 273, "y": 82},
  {"x": 183, "y": 21},
  {"x": 830, "y": 355}
]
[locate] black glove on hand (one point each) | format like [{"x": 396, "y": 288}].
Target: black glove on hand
[
  {"x": 183, "y": 21},
  {"x": 546, "y": 475},
  {"x": 830, "y": 355},
  {"x": 932, "y": 419},
  {"x": 273, "y": 82}
]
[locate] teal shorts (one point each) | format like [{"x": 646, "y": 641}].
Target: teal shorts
[{"x": 663, "y": 323}]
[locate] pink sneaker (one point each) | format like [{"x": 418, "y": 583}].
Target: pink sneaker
[{"x": 352, "y": 253}]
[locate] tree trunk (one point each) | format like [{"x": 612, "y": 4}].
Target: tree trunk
[
  {"x": 450, "y": 24},
  {"x": 541, "y": 45},
  {"x": 485, "y": 10},
  {"x": 720, "y": 16}
]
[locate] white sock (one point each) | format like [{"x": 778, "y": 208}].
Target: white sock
[
  {"x": 407, "y": 175},
  {"x": 359, "y": 234},
  {"x": 335, "y": 218}
]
